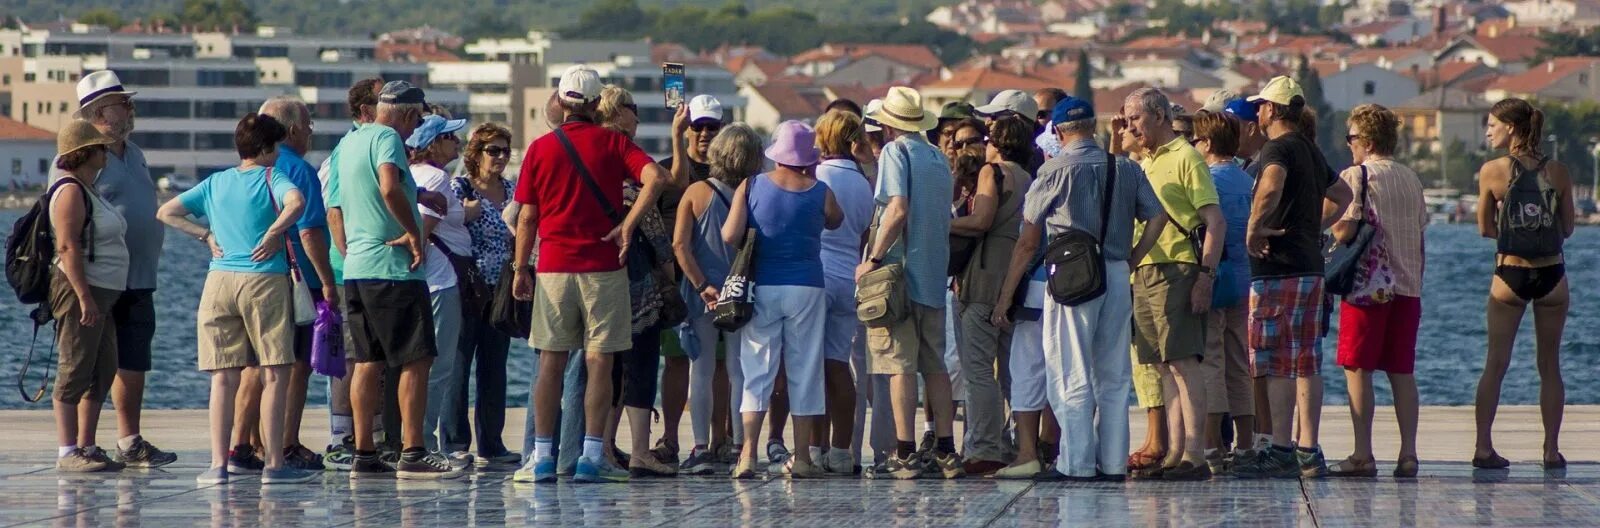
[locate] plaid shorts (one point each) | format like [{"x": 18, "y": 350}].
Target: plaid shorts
[{"x": 1286, "y": 327}]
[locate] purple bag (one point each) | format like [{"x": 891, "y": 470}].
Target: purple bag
[{"x": 327, "y": 342}]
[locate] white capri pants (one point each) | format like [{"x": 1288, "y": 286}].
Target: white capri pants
[
  {"x": 702, "y": 373},
  {"x": 840, "y": 330},
  {"x": 1027, "y": 356},
  {"x": 787, "y": 330}
]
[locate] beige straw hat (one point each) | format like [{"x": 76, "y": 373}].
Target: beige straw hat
[
  {"x": 79, "y": 134},
  {"x": 902, "y": 110}
]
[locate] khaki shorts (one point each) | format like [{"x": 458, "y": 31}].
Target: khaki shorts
[
  {"x": 915, "y": 345},
  {"x": 86, "y": 355},
  {"x": 245, "y": 320},
  {"x": 1164, "y": 328},
  {"x": 589, "y": 311}
]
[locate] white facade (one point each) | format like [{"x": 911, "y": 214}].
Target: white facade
[
  {"x": 25, "y": 163},
  {"x": 1367, "y": 83}
]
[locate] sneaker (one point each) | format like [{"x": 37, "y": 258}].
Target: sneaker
[
  {"x": 899, "y": 468},
  {"x": 800, "y": 469},
  {"x": 777, "y": 454},
  {"x": 301, "y": 457},
  {"x": 145, "y": 455},
  {"x": 213, "y": 477},
  {"x": 503, "y": 459},
  {"x": 78, "y": 462},
  {"x": 728, "y": 454},
  {"x": 536, "y": 471},
  {"x": 340, "y": 457},
  {"x": 461, "y": 460},
  {"x": 598, "y": 472},
  {"x": 99, "y": 455},
  {"x": 1188, "y": 472},
  {"x": 648, "y": 467},
  {"x": 700, "y": 462},
  {"x": 1271, "y": 463},
  {"x": 928, "y": 441},
  {"x": 1220, "y": 462},
  {"x": 289, "y": 475},
  {"x": 944, "y": 465},
  {"x": 389, "y": 456},
  {"x": 1023, "y": 471},
  {"x": 666, "y": 452},
  {"x": 839, "y": 462},
  {"x": 429, "y": 466},
  {"x": 369, "y": 466},
  {"x": 622, "y": 457},
  {"x": 242, "y": 460},
  {"x": 1313, "y": 464}
]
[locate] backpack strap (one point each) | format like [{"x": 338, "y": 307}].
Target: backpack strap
[
  {"x": 85, "y": 237},
  {"x": 588, "y": 178},
  {"x": 1105, "y": 201}
]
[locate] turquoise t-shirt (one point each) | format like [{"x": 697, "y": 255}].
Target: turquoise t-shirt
[
  {"x": 368, "y": 226},
  {"x": 240, "y": 211}
]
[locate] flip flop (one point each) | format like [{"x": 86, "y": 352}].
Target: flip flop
[
  {"x": 1559, "y": 463},
  {"x": 1406, "y": 467},
  {"x": 1350, "y": 467},
  {"x": 1493, "y": 461},
  {"x": 1144, "y": 460}
]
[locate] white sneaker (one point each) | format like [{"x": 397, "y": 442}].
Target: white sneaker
[
  {"x": 461, "y": 460},
  {"x": 838, "y": 462}
]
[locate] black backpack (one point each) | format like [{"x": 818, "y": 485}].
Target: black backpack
[
  {"x": 1528, "y": 222},
  {"x": 31, "y": 250}
]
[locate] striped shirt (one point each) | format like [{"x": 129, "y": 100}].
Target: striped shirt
[{"x": 1396, "y": 196}]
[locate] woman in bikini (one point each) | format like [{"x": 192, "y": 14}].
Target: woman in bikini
[{"x": 1526, "y": 206}]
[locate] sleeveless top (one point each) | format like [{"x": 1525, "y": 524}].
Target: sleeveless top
[
  {"x": 712, "y": 254},
  {"x": 109, "y": 270},
  {"x": 982, "y": 280},
  {"x": 1527, "y": 218},
  {"x": 788, "y": 233}
]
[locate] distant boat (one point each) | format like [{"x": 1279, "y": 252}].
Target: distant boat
[
  {"x": 1449, "y": 206},
  {"x": 177, "y": 182}
]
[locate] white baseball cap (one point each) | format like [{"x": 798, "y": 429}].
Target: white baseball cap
[
  {"x": 704, "y": 107},
  {"x": 580, "y": 84},
  {"x": 873, "y": 107},
  {"x": 1016, "y": 101}
]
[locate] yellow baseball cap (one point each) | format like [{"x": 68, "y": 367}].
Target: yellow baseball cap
[{"x": 1279, "y": 90}]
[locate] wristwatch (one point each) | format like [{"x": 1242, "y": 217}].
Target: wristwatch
[
  {"x": 701, "y": 287},
  {"x": 1208, "y": 270},
  {"x": 876, "y": 261}
]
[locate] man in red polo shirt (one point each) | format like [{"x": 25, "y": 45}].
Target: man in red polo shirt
[{"x": 571, "y": 195}]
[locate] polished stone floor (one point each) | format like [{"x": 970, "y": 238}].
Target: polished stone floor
[{"x": 1447, "y": 494}]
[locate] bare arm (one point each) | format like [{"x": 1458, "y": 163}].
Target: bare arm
[
  {"x": 316, "y": 243},
  {"x": 393, "y": 189},
  {"x": 653, "y": 177},
  {"x": 67, "y": 219},
  {"x": 1216, "y": 232},
  {"x": 1488, "y": 203},
  {"x": 1147, "y": 240},
  {"x": 1269, "y": 189},
  {"x": 738, "y": 215},
  {"x": 985, "y": 202},
  {"x": 336, "y": 229},
  {"x": 680, "y": 147},
  {"x": 889, "y": 227},
  {"x": 832, "y": 215},
  {"x": 683, "y": 234},
  {"x": 1335, "y": 202},
  {"x": 1021, "y": 256}
]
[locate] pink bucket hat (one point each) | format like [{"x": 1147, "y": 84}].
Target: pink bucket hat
[{"x": 794, "y": 144}]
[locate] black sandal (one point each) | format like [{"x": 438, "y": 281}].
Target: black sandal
[
  {"x": 1406, "y": 467},
  {"x": 1493, "y": 461},
  {"x": 1559, "y": 463}
]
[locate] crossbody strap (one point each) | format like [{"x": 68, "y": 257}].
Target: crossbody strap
[
  {"x": 86, "y": 236},
  {"x": 288, "y": 249},
  {"x": 1111, "y": 188},
  {"x": 588, "y": 178}
]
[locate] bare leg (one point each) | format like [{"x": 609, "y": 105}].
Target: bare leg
[
  {"x": 224, "y": 385},
  {"x": 752, "y": 437},
  {"x": 1549, "y": 318},
  {"x": 1213, "y": 432},
  {"x": 88, "y": 421},
  {"x": 903, "y": 399},
  {"x": 1282, "y": 391},
  {"x": 609, "y": 439},
  {"x": 1263, "y": 407},
  {"x": 639, "y": 429},
  {"x": 597, "y": 396},
  {"x": 274, "y": 401},
  {"x": 674, "y": 396},
  {"x": 67, "y": 426},
  {"x": 778, "y": 410},
  {"x": 247, "y": 414},
  {"x": 299, "y": 383},
  {"x": 1049, "y": 429},
  {"x": 1406, "y": 410},
  {"x": 413, "y": 401},
  {"x": 1504, "y": 316},
  {"x": 1174, "y": 414},
  {"x": 127, "y": 393},
  {"x": 1189, "y": 381},
  {"x": 802, "y": 430},
  {"x": 1027, "y": 437},
  {"x": 841, "y": 403},
  {"x": 1243, "y": 427},
  {"x": 365, "y": 401},
  {"x": 1361, "y": 409},
  {"x": 1155, "y": 432},
  {"x": 547, "y": 392},
  {"x": 944, "y": 409},
  {"x": 1309, "y": 401}
]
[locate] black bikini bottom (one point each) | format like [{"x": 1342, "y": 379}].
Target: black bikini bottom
[{"x": 1532, "y": 283}]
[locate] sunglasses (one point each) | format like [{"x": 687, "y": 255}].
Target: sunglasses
[
  {"x": 1351, "y": 138},
  {"x": 972, "y": 141},
  {"x": 1042, "y": 115},
  {"x": 632, "y": 108},
  {"x": 705, "y": 127},
  {"x": 497, "y": 152}
]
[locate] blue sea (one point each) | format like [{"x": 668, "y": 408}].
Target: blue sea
[{"x": 1449, "y": 356}]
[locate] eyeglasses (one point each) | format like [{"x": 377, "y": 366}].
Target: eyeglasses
[
  {"x": 632, "y": 108},
  {"x": 497, "y": 152},
  {"x": 971, "y": 141},
  {"x": 705, "y": 127},
  {"x": 1351, "y": 138},
  {"x": 1042, "y": 115}
]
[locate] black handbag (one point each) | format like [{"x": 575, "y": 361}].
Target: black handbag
[
  {"x": 1075, "y": 263},
  {"x": 1341, "y": 261},
  {"x": 510, "y": 316},
  {"x": 962, "y": 247},
  {"x": 475, "y": 294},
  {"x": 736, "y": 303}
]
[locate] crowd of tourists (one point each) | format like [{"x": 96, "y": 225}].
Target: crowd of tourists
[{"x": 995, "y": 264}]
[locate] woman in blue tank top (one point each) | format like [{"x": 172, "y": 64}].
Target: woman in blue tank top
[{"x": 788, "y": 209}]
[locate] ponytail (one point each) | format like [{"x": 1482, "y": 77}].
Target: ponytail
[
  {"x": 1532, "y": 137},
  {"x": 1526, "y": 122}
]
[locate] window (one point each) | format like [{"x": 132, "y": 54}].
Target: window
[
  {"x": 16, "y": 167},
  {"x": 158, "y": 108},
  {"x": 1369, "y": 88},
  {"x": 161, "y": 140},
  {"x": 213, "y": 141},
  {"x": 1583, "y": 79},
  {"x": 5, "y": 80},
  {"x": 62, "y": 107},
  {"x": 139, "y": 77},
  {"x": 44, "y": 165}
]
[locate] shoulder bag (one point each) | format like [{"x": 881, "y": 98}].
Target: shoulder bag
[
  {"x": 1074, "y": 258},
  {"x": 736, "y": 304},
  {"x": 474, "y": 289},
  {"x": 1342, "y": 261},
  {"x": 305, "y": 311},
  {"x": 881, "y": 296}
]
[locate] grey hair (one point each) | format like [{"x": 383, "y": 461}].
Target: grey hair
[
  {"x": 1151, "y": 100},
  {"x": 385, "y": 108},
  {"x": 1081, "y": 126},
  {"x": 287, "y": 109},
  {"x": 735, "y": 154}
]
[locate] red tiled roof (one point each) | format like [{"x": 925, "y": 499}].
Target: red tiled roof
[
  {"x": 1541, "y": 76},
  {"x": 1391, "y": 55},
  {"x": 1450, "y": 72},
  {"x": 13, "y": 129},
  {"x": 1511, "y": 48},
  {"x": 793, "y": 99},
  {"x": 991, "y": 79},
  {"x": 910, "y": 54},
  {"x": 1109, "y": 102},
  {"x": 1378, "y": 27},
  {"x": 1259, "y": 69},
  {"x": 859, "y": 94}
]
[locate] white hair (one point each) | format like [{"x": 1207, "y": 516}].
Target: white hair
[
  {"x": 1081, "y": 126},
  {"x": 1152, "y": 100},
  {"x": 385, "y": 108},
  {"x": 288, "y": 110}
]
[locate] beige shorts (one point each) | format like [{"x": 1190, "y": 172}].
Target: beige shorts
[
  {"x": 914, "y": 345},
  {"x": 245, "y": 320},
  {"x": 589, "y": 311}
]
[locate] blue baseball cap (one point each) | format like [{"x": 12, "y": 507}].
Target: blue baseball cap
[
  {"x": 432, "y": 127},
  {"x": 1071, "y": 109},
  {"x": 1242, "y": 109}
]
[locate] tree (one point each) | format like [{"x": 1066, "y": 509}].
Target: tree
[
  {"x": 1567, "y": 44},
  {"x": 101, "y": 16},
  {"x": 217, "y": 14},
  {"x": 1082, "y": 89},
  {"x": 1327, "y": 120},
  {"x": 613, "y": 19}
]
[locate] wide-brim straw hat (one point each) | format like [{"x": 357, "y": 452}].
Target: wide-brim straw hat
[
  {"x": 78, "y": 135},
  {"x": 902, "y": 110}
]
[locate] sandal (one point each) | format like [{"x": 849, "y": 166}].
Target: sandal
[
  {"x": 1559, "y": 463},
  {"x": 1350, "y": 467},
  {"x": 1493, "y": 461},
  {"x": 1406, "y": 467},
  {"x": 1144, "y": 460}
]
